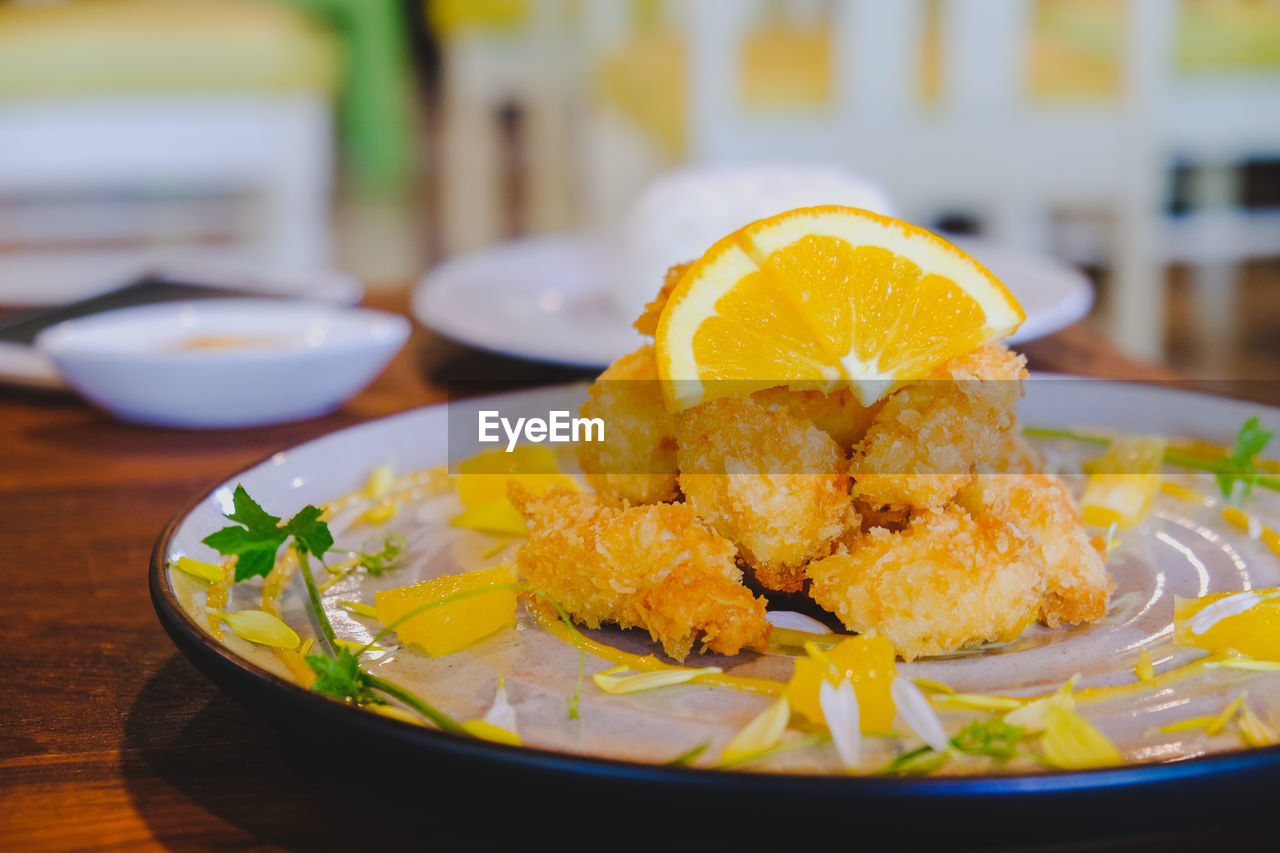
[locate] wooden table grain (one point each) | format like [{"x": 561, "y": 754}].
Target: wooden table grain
[{"x": 109, "y": 739}]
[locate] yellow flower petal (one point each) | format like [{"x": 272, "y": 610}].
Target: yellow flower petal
[
  {"x": 1189, "y": 724},
  {"x": 1235, "y": 517},
  {"x": 1246, "y": 663},
  {"x": 204, "y": 571},
  {"x": 762, "y": 733},
  {"x": 616, "y": 684},
  {"x": 493, "y": 552},
  {"x": 1072, "y": 743},
  {"x": 380, "y": 514},
  {"x": 1220, "y": 722},
  {"x": 360, "y": 608},
  {"x": 933, "y": 686},
  {"x": 1145, "y": 670},
  {"x": 1032, "y": 717},
  {"x": 261, "y": 627},
  {"x": 488, "y": 731},
  {"x": 1181, "y": 492},
  {"x": 395, "y": 712},
  {"x": 355, "y": 648},
  {"x": 1254, "y": 731},
  {"x": 381, "y": 479},
  {"x": 977, "y": 702}
]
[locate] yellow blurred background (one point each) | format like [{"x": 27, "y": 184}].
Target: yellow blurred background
[{"x": 1138, "y": 139}]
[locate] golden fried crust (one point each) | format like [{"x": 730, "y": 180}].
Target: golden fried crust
[
  {"x": 772, "y": 483},
  {"x": 1017, "y": 456},
  {"x": 1038, "y": 509},
  {"x": 637, "y": 460},
  {"x": 944, "y": 582},
  {"x": 647, "y": 323},
  {"x": 838, "y": 414},
  {"x": 652, "y": 567},
  {"x": 928, "y": 439}
]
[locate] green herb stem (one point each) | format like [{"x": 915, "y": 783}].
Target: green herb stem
[
  {"x": 418, "y": 704},
  {"x": 1177, "y": 458},
  {"x": 317, "y": 604}
]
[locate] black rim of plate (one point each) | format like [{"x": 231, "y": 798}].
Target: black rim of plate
[{"x": 1201, "y": 774}]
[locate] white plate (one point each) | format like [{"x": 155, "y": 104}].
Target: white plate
[
  {"x": 1181, "y": 549},
  {"x": 550, "y": 298}
]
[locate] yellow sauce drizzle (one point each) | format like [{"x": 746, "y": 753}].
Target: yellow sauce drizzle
[
  {"x": 272, "y": 589},
  {"x": 1091, "y": 695},
  {"x": 215, "y": 600},
  {"x": 425, "y": 482}
]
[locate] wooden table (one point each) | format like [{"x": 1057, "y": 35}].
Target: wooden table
[{"x": 109, "y": 738}]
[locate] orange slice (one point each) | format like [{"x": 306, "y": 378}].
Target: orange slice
[{"x": 824, "y": 296}]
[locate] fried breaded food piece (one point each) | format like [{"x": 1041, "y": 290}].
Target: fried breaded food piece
[
  {"x": 928, "y": 439},
  {"x": 636, "y": 462},
  {"x": 647, "y": 323},
  {"x": 946, "y": 581},
  {"x": 1038, "y": 509},
  {"x": 652, "y": 567},
  {"x": 838, "y": 414},
  {"x": 1017, "y": 456},
  {"x": 772, "y": 483}
]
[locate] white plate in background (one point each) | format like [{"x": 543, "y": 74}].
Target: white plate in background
[{"x": 550, "y": 298}]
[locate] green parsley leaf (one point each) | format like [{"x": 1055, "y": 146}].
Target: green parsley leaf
[
  {"x": 256, "y": 543},
  {"x": 993, "y": 737},
  {"x": 391, "y": 555},
  {"x": 342, "y": 678},
  {"x": 1238, "y": 466},
  {"x": 310, "y": 532}
]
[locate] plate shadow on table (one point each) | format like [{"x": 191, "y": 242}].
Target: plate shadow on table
[{"x": 280, "y": 782}]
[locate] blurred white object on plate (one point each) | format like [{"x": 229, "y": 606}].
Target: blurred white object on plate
[
  {"x": 223, "y": 363},
  {"x": 683, "y": 213},
  {"x": 551, "y": 298}
]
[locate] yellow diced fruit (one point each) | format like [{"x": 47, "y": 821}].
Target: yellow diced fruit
[
  {"x": 450, "y": 625},
  {"x": 483, "y": 480},
  {"x": 1123, "y": 482},
  {"x": 1255, "y": 632},
  {"x": 867, "y": 661},
  {"x": 496, "y": 516}
]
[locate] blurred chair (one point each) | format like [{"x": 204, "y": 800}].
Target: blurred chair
[
  {"x": 134, "y": 100},
  {"x": 982, "y": 145},
  {"x": 1013, "y": 110},
  {"x": 508, "y": 83}
]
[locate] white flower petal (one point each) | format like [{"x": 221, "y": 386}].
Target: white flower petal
[
  {"x": 840, "y": 707},
  {"x": 501, "y": 713},
  {"x": 796, "y": 622},
  {"x": 917, "y": 713}
]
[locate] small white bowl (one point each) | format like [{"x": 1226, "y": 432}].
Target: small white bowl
[{"x": 223, "y": 362}]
